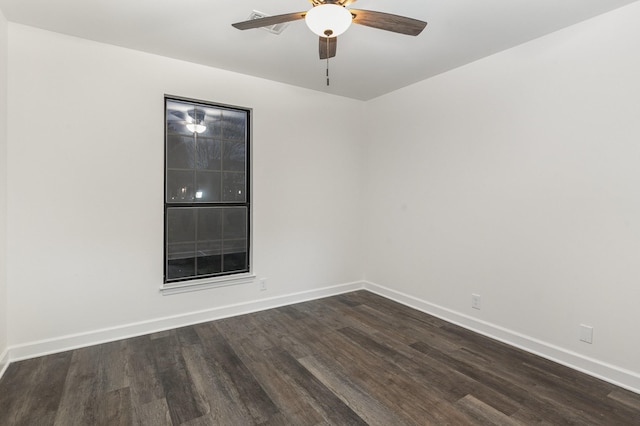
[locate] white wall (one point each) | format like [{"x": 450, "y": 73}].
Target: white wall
[
  {"x": 85, "y": 193},
  {"x": 3, "y": 191},
  {"x": 517, "y": 177}
]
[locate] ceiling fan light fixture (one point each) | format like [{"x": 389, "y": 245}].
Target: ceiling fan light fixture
[
  {"x": 196, "y": 128},
  {"x": 328, "y": 20},
  {"x": 195, "y": 121}
]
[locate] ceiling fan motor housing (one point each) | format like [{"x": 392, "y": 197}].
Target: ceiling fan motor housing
[{"x": 338, "y": 2}]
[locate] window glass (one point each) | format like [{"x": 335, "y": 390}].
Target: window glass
[{"x": 207, "y": 206}]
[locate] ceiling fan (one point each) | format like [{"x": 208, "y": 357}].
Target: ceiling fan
[{"x": 330, "y": 18}]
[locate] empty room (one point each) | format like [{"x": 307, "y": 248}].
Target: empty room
[{"x": 288, "y": 212}]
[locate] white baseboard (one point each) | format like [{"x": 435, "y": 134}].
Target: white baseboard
[
  {"x": 4, "y": 362},
  {"x": 74, "y": 341},
  {"x": 610, "y": 373}
]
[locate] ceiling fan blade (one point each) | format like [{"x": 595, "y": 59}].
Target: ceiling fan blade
[
  {"x": 328, "y": 47},
  {"x": 388, "y": 22},
  {"x": 269, "y": 20}
]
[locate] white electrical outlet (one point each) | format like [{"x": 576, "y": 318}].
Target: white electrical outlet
[
  {"x": 263, "y": 284},
  {"x": 586, "y": 333},
  {"x": 475, "y": 301}
]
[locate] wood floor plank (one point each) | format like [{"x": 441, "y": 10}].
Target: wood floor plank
[
  {"x": 492, "y": 379},
  {"x": 281, "y": 388},
  {"x": 484, "y": 414},
  {"x": 334, "y": 316},
  {"x": 513, "y": 360},
  {"x": 333, "y": 408},
  {"x": 187, "y": 336},
  {"x": 79, "y": 402},
  {"x": 365, "y": 406},
  {"x": 245, "y": 327},
  {"x": 143, "y": 376},
  {"x": 408, "y": 331},
  {"x": 388, "y": 383},
  {"x": 215, "y": 388},
  {"x": 370, "y": 318},
  {"x": 355, "y": 358},
  {"x": 563, "y": 389},
  {"x": 113, "y": 366},
  {"x": 152, "y": 413},
  {"x": 446, "y": 381},
  {"x": 514, "y": 392},
  {"x": 449, "y": 383},
  {"x": 326, "y": 315},
  {"x": 183, "y": 401},
  {"x": 222, "y": 356},
  {"x": 398, "y": 310},
  {"x": 625, "y": 397},
  {"x": 350, "y": 299},
  {"x": 434, "y": 380},
  {"x": 287, "y": 334},
  {"x": 38, "y": 402},
  {"x": 114, "y": 408}
]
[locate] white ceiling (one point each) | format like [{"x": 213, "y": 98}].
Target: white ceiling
[{"x": 369, "y": 62}]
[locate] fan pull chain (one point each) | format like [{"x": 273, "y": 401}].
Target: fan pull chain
[
  {"x": 327, "y": 71},
  {"x": 327, "y": 60}
]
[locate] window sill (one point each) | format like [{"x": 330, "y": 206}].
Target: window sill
[{"x": 205, "y": 284}]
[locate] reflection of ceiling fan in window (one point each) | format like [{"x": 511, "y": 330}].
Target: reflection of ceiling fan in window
[
  {"x": 193, "y": 119},
  {"x": 196, "y": 121},
  {"x": 330, "y": 18}
]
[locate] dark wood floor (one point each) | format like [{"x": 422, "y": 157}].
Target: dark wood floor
[{"x": 345, "y": 360}]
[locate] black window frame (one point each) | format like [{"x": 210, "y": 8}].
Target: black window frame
[{"x": 168, "y": 281}]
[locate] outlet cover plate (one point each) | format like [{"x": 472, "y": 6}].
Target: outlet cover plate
[
  {"x": 475, "y": 301},
  {"x": 586, "y": 333}
]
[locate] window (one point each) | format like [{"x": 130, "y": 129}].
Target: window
[{"x": 207, "y": 193}]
